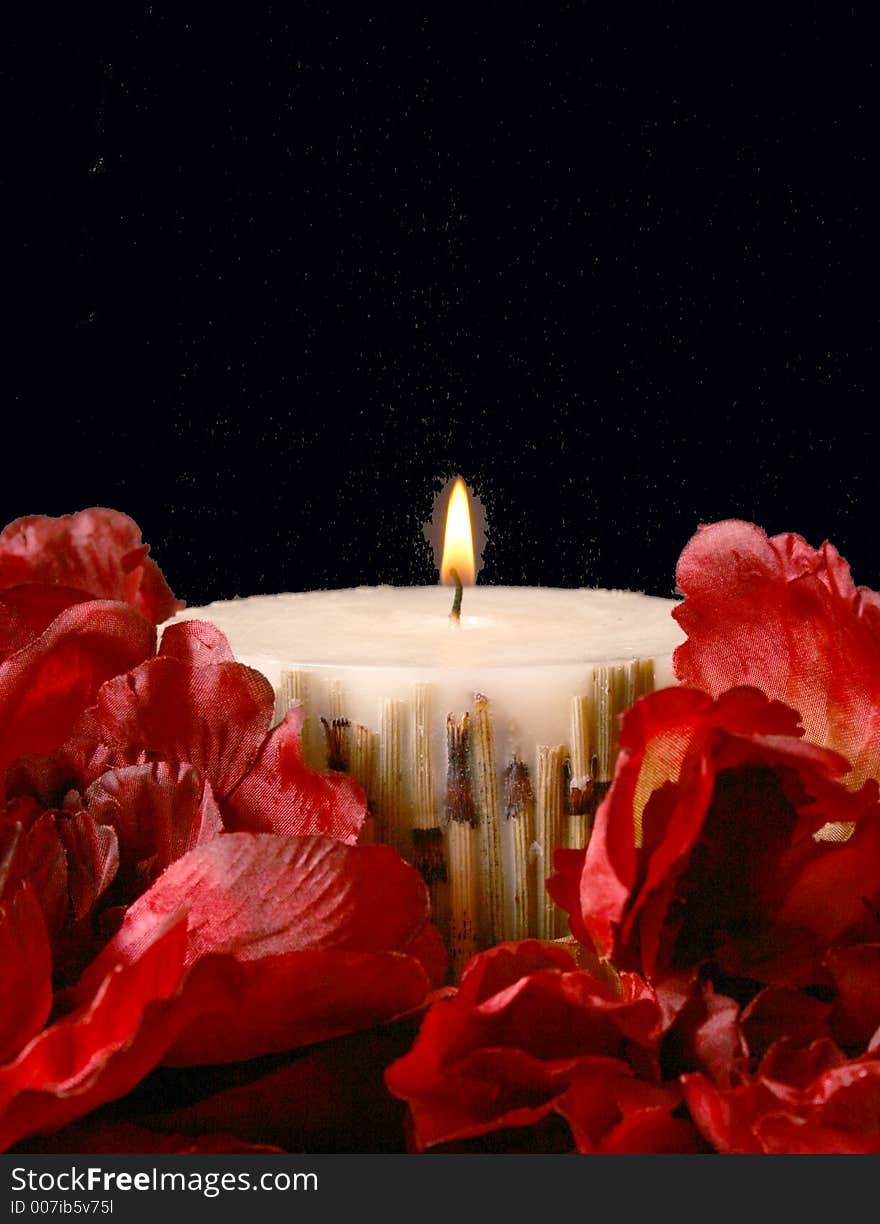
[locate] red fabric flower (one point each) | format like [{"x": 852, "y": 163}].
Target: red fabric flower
[
  {"x": 95, "y": 554},
  {"x": 124, "y": 773},
  {"x": 786, "y": 618},
  {"x": 800, "y": 1099},
  {"x": 704, "y": 852},
  {"x": 527, "y": 1035}
]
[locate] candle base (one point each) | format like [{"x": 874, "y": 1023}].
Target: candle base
[{"x": 485, "y": 843}]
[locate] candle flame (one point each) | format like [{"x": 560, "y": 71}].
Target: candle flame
[{"x": 458, "y": 539}]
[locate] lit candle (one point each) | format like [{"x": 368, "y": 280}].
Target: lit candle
[{"x": 482, "y": 745}]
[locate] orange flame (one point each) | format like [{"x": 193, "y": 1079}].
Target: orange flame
[{"x": 458, "y": 539}]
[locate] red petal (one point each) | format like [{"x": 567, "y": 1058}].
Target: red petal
[
  {"x": 654, "y": 1131},
  {"x": 782, "y": 1135},
  {"x": 301, "y": 998},
  {"x": 495, "y": 970},
  {"x": 836, "y": 889},
  {"x": 320, "y": 930},
  {"x": 196, "y": 642},
  {"x": 212, "y": 717},
  {"x": 37, "y": 603},
  {"x": 805, "y": 1099},
  {"x": 709, "y": 1031},
  {"x": 44, "y": 687},
  {"x": 430, "y": 951},
  {"x": 281, "y": 794},
  {"x": 564, "y": 887},
  {"x": 14, "y": 631},
  {"x": 81, "y": 759},
  {"x": 117, "y": 1034},
  {"x": 725, "y": 1118},
  {"x": 614, "y": 1112},
  {"x": 856, "y": 973},
  {"x": 92, "y": 859},
  {"x": 27, "y": 972},
  {"x": 96, "y": 550},
  {"x": 655, "y": 737},
  {"x": 256, "y": 895},
  {"x": 794, "y": 1066},
  {"x": 849, "y": 1099},
  {"x": 523, "y": 1026},
  {"x": 486, "y": 1091},
  {"x": 781, "y": 1012},
  {"x": 39, "y": 858},
  {"x": 786, "y": 618},
  {"x": 724, "y": 802},
  {"x": 159, "y": 812}
]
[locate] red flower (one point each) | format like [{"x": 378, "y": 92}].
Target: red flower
[
  {"x": 786, "y": 618},
  {"x": 184, "y": 942},
  {"x": 799, "y": 1099},
  {"x": 529, "y": 1035},
  {"x": 246, "y": 945},
  {"x": 703, "y": 852},
  {"x": 47, "y": 564}
]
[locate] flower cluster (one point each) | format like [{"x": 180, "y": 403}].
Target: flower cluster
[
  {"x": 724, "y": 990},
  {"x": 198, "y": 954},
  {"x": 176, "y": 886}
]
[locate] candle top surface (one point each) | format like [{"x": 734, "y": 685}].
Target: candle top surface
[{"x": 388, "y": 626}]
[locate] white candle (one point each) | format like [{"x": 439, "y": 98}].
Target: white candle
[
  {"x": 529, "y": 649},
  {"x": 388, "y": 660},
  {"x": 483, "y": 738}
]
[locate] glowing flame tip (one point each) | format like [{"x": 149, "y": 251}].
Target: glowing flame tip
[{"x": 458, "y": 538}]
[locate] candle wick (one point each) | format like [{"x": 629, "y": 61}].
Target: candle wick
[{"x": 455, "y": 614}]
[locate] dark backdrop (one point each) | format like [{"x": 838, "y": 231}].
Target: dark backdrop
[{"x": 276, "y": 272}]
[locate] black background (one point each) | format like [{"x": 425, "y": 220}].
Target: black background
[{"x": 274, "y": 273}]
